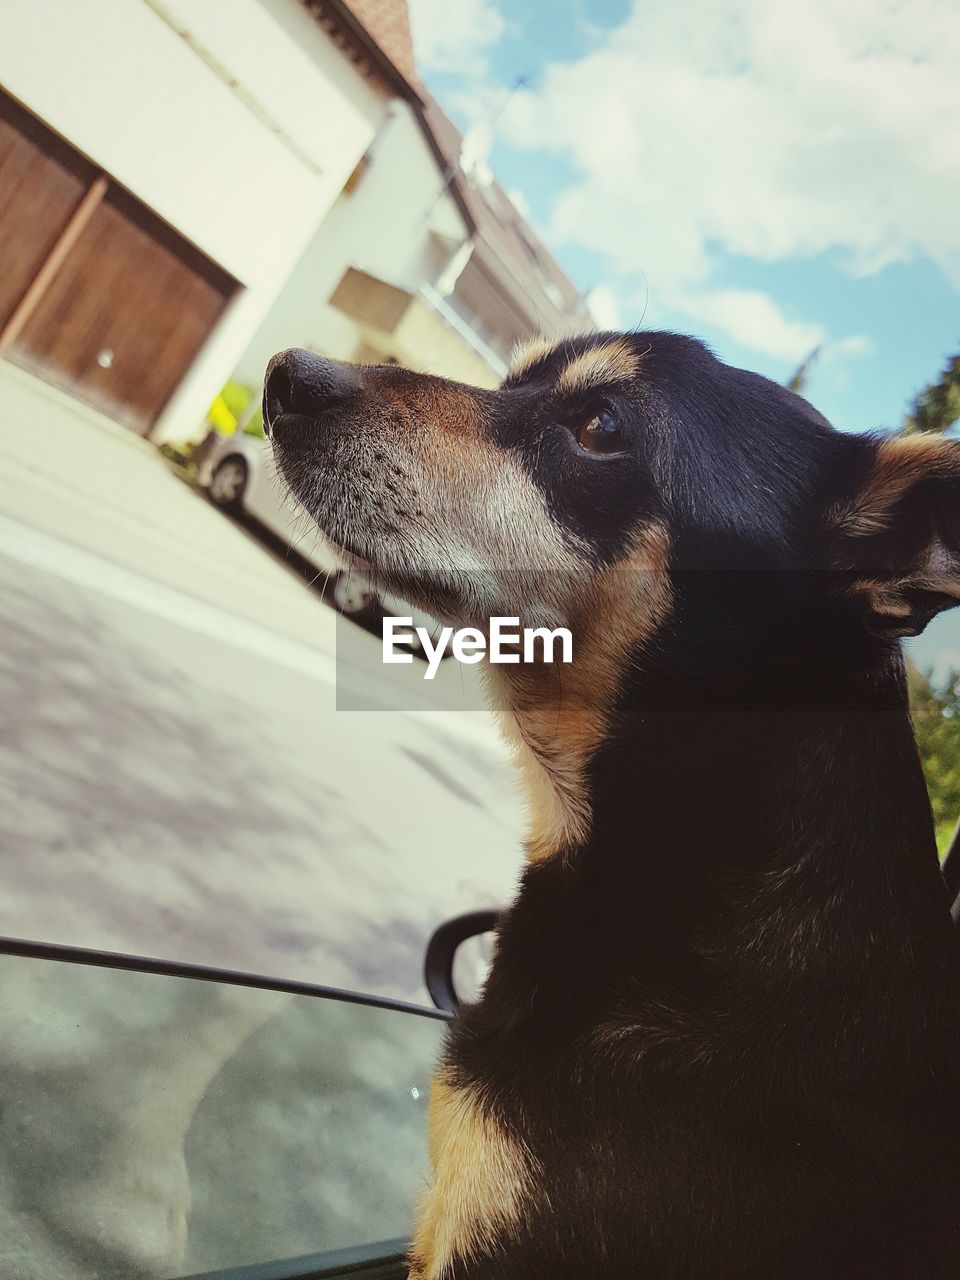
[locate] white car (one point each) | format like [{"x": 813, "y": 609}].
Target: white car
[{"x": 238, "y": 475}]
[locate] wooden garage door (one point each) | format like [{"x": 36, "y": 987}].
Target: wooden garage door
[
  {"x": 109, "y": 302},
  {"x": 42, "y": 182}
]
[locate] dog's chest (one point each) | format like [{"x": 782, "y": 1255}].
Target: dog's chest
[{"x": 632, "y": 1172}]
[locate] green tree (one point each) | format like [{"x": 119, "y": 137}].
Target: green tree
[
  {"x": 936, "y": 708},
  {"x": 936, "y": 719},
  {"x": 937, "y": 407}
]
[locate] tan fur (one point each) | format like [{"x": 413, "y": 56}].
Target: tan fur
[
  {"x": 612, "y": 362},
  {"x": 900, "y": 464},
  {"x": 483, "y": 1178},
  {"x": 526, "y": 354},
  {"x": 889, "y": 598},
  {"x": 556, "y": 718}
]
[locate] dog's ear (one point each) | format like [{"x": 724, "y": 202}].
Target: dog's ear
[{"x": 896, "y": 537}]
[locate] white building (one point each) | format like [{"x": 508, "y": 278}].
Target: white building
[
  {"x": 163, "y": 165},
  {"x": 420, "y": 263}
]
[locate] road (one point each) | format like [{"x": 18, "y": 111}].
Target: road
[{"x": 175, "y": 778}]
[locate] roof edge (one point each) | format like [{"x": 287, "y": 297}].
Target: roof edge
[
  {"x": 449, "y": 169},
  {"x": 361, "y": 37}
]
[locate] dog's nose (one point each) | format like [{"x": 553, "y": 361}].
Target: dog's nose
[{"x": 299, "y": 382}]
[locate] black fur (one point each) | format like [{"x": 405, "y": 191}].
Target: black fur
[{"x": 728, "y": 1026}]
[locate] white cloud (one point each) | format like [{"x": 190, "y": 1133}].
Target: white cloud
[
  {"x": 455, "y": 35},
  {"x": 754, "y": 320},
  {"x": 769, "y": 131},
  {"x": 604, "y": 307},
  {"x": 858, "y": 344}
]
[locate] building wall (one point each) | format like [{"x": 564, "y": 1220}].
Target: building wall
[
  {"x": 397, "y": 225},
  {"x": 245, "y": 171}
]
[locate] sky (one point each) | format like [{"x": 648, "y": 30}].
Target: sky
[{"x": 771, "y": 177}]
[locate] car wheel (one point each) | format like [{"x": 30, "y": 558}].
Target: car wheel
[
  {"x": 229, "y": 482},
  {"x": 352, "y": 596}
]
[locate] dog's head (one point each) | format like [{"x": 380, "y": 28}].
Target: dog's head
[
  {"x": 666, "y": 507},
  {"x": 609, "y": 455}
]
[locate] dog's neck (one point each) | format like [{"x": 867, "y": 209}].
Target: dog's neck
[
  {"x": 761, "y": 832},
  {"x": 557, "y": 717}
]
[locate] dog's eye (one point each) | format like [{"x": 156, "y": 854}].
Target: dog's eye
[{"x": 600, "y": 433}]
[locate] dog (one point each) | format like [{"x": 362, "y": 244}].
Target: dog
[{"x": 720, "y": 1039}]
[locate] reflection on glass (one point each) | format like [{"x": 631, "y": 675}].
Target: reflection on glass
[{"x": 162, "y": 1127}]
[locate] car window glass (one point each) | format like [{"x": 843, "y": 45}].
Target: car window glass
[{"x": 163, "y": 1126}]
